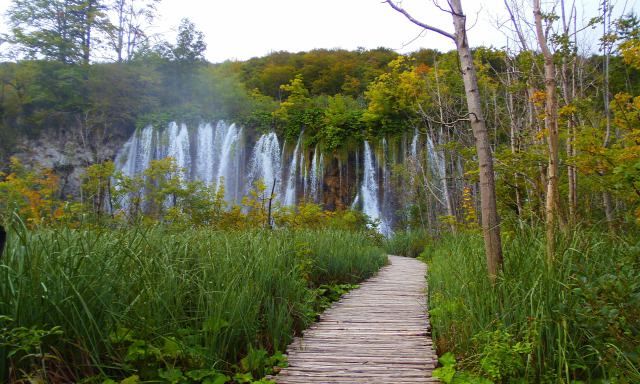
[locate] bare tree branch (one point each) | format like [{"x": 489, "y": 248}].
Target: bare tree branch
[
  {"x": 523, "y": 41},
  {"x": 418, "y": 23}
]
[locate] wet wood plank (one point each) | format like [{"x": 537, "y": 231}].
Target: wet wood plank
[{"x": 379, "y": 333}]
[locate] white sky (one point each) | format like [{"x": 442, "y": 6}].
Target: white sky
[{"x": 241, "y": 29}]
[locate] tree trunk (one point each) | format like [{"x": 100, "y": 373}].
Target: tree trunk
[
  {"x": 514, "y": 136},
  {"x": 569, "y": 94},
  {"x": 3, "y": 240},
  {"x": 606, "y": 196},
  {"x": 489, "y": 208},
  {"x": 88, "y": 15},
  {"x": 534, "y": 126},
  {"x": 571, "y": 169},
  {"x": 608, "y": 211},
  {"x": 551, "y": 124}
]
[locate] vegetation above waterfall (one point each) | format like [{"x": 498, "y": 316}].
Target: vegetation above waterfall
[{"x": 340, "y": 96}]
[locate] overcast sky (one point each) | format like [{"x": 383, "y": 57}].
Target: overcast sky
[{"x": 241, "y": 29}]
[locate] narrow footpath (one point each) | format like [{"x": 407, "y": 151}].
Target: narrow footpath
[{"x": 379, "y": 333}]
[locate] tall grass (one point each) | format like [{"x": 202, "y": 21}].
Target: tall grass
[
  {"x": 145, "y": 299},
  {"x": 406, "y": 243},
  {"x": 578, "y": 319}
]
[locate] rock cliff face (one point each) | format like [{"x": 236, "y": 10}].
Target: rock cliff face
[
  {"x": 340, "y": 183},
  {"x": 68, "y": 154}
]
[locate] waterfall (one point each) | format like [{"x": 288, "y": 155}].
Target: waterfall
[
  {"x": 217, "y": 156},
  {"x": 320, "y": 180},
  {"x": 413, "y": 151},
  {"x": 387, "y": 210},
  {"x": 265, "y": 162},
  {"x": 316, "y": 175},
  {"x": 133, "y": 158},
  {"x": 304, "y": 174},
  {"x": 178, "y": 145},
  {"x": 290, "y": 193},
  {"x": 214, "y": 155},
  {"x": 214, "y": 151},
  {"x": 206, "y": 153},
  {"x": 356, "y": 200},
  {"x": 230, "y": 137},
  {"x": 355, "y": 203},
  {"x": 434, "y": 162},
  {"x": 126, "y": 156},
  {"x": 369, "y": 189}
]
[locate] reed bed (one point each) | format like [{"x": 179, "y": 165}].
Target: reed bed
[
  {"x": 407, "y": 243},
  {"x": 576, "y": 320},
  {"x": 81, "y": 303}
]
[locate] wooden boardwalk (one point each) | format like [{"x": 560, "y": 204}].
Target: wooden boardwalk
[{"x": 378, "y": 333}]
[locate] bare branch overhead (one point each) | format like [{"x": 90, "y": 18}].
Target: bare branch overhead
[{"x": 419, "y": 23}]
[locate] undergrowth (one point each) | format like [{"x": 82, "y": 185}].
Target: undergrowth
[
  {"x": 150, "y": 303},
  {"x": 406, "y": 243},
  {"x": 574, "y": 321}
]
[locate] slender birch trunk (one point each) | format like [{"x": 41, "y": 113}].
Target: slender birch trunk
[
  {"x": 442, "y": 167},
  {"x": 489, "y": 207},
  {"x": 551, "y": 125}
]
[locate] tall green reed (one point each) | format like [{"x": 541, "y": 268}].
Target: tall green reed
[
  {"x": 406, "y": 243},
  {"x": 536, "y": 308},
  {"x": 146, "y": 298}
]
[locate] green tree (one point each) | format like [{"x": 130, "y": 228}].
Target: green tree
[
  {"x": 220, "y": 93},
  {"x": 298, "y": 111},
  {"x": 98, "y": 187},
  {"x": 391, "y": 99},
  {"x": 190, "y": 46},
  {"x": 343, "y": 120},
  {"x": 61, "y": 30}
]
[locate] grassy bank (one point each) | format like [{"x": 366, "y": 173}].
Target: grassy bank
[
  {"x": 163, "y": 305},
  {"x": 575, "y": 321}
]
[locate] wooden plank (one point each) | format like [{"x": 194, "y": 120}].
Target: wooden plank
[{"x": 378, "y": 333}]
